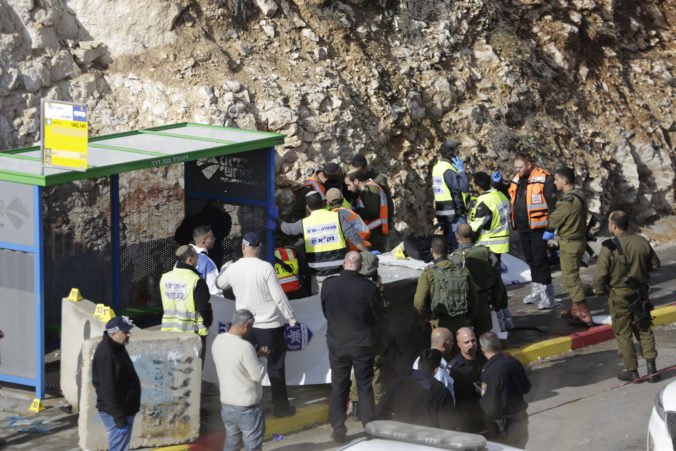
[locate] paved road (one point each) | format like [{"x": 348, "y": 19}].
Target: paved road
[{"x": 576, "y": 403}]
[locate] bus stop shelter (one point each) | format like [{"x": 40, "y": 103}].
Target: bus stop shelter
[{"x": 232, "y": 166}]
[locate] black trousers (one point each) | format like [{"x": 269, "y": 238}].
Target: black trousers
[
  {"x": 514, "y": 432},
  {"x": 342, "y": 360},
  {"x": 534, "y": 250},
  {"x": 274, "y": 340}
]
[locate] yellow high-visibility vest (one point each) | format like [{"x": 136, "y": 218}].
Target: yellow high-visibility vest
[
  {"x": 176, "y": 288},
  {"x": 322, "y": 234},
  {"x": 497, "y": 238}
]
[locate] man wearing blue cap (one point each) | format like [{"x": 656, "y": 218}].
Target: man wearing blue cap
[
  {"x": 257, "y": 289},
  {"x": 118, "y": 389}
]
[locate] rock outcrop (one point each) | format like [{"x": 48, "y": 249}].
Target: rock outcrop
[{"x": 587, "y": 83}]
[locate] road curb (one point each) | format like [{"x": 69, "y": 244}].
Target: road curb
[
  {"x": 319, "y": 413},
  {"x": 595, "y": 335}
]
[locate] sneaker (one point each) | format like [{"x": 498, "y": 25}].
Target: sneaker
[
  {"x": 628, "y": 375},
  {"x": 287, "y": 411}
]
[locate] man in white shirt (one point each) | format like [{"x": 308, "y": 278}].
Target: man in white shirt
[
  {"x": 240, "y": 371},
  {"x": 442, "y": 339},
  {"x": 204, "y": 240},
  {"x": 256, "y": 288}
]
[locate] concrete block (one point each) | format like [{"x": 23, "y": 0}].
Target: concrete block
[
  {"x": 170, "y": 371},
  {"x": 77, "y": 325}
]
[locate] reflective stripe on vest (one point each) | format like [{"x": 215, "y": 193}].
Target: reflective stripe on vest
[
  {"x": 315, "y": 185},
  {"x": 289, "y": 280},
  {"x": 441, "y": 192},
  {"x": 178, "y": 303},
  {"x": 383, "y": 220},
  {"x": 358, "y": 224},
  {"x": 536, "y": 204},
  {"x": 497, "y": 238}
]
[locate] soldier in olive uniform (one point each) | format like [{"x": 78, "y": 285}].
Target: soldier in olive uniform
[
  {"x": 423, "y": 300},
  {"x": 484, "y": 267},
  {"x": 627, "y": 255},
  {"x": 570, "y": 222}
]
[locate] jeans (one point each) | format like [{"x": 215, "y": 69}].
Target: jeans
[
  {"x": 245, "y": 423},
  {"x": 118, "y": 438}
]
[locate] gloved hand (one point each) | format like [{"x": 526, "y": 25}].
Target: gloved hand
[
  {"x": 271, "y": 224},
  {"x": 121, "y": 423},
  {"x": 496, "y": 176},
  {"x": 376, "y": 252},
  {"x": 547, "y": 235},
  {"x": 273, "y": 212},
  {"x": 458, "y": 163},
  {"x": 292, "y": 323}
]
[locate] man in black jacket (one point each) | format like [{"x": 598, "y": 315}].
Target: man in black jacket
[
  {"x": 353, "y": 307},
  {"x": 503, "y": 384},
  {"x": 118, "y": 389},
  {"x": 419, "y": 398}
]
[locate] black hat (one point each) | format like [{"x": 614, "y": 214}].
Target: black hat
[
  {"x": 331, "y": 169},
  {"x": 567, "y": 173},
  {"x": 450, "y": 146}
]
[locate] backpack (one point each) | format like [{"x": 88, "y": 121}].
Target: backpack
[{"x": 451, "y": 290}]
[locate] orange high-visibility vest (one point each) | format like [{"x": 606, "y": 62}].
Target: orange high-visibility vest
[
  {"x": 358, "y": 223},
  {"x": 536, "y": 204},
  {"x": 383, "y": 220},
  {"x": 315, "y": 185},
  {"x": 287, "y": 269}
]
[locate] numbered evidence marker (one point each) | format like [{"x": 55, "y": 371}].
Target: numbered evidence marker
[
  {"x": 36, "y": 406},
  {"x": 104, "y": 313},
  {"x": 75, "y": 295}
]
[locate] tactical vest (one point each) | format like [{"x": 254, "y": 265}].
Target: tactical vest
[
  {"x": 177, "y": 288},
  {"x": 451, "y": 290},
  {"x": 287, "y": 269},
  {"x": 536, "y": 204},
  {"x": 325, "y": 244},
  {"x": 497, "y": 238},
  {"x": 358, "y": 224}
]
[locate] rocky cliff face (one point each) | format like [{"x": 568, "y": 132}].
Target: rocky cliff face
[{"x": 587, "y": 83}]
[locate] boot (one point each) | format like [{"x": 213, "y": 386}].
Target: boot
[
  {"x": 534, "y": 295},
  {"x": 582, "y": 316},
  {"x": 570, "y": 313},
  {"x": 546, "y": 297},
  {"x": 653, "y": 375},
  {"x": 628, "y": 375}
]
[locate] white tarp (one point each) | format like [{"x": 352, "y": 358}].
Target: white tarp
[{"x": 307, "y": 360}]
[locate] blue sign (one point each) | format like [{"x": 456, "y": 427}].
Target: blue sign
[
  {"x": 223, "y": 327},
  {"x": 297, "y": 337}
]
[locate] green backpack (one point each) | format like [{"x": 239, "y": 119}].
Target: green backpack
[{"x": 451, "y": 290}]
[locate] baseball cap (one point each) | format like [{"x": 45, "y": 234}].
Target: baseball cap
[
  {"x": 331, "y": 169},
  {"x": 333, "y": 194},
  {"x": 252, "y": 239},
  {"x": 119, "y": 324}
]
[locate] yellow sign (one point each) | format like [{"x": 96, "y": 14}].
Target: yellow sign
[
  {"x": 36, "y": 406},
  {"x": 64, "y": 134},
  {"x": 75, "y": 295},
  {"x": 104, "y": 313}
]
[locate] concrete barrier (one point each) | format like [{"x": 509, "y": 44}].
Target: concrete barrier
[
  {"x": 77, "y": 325},
  {"x": 170, "y": 371}
]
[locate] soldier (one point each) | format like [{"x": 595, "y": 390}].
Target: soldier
[
  {"x": 484, "y": 267},
  {"x": 622, "y": 274},
  {"x": 451, "y": 189},
  {"x": 533, "y": 197},
  {"x": 569, "y": 220},
  {"x": 446, "y": 291}
]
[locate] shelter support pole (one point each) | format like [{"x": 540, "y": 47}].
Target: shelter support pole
[
  {"x": 38, "y": 270},
  {"x": 115, "y": 237},
  {"x": 272, "y": 203}
]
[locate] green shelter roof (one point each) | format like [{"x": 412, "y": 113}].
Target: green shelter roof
[{"x": 134, "y": 150}]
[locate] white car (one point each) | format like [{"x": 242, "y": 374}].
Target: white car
[
  {"x": 385, "y": 435},
  {"x": 662, "y": 424}
]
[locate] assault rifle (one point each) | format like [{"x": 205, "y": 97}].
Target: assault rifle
[{"x": 639, "y": 304}]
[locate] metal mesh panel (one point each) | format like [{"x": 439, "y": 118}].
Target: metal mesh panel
[{"x": 77, "y": 246}]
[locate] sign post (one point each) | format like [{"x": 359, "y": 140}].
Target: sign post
[{"x": 64, "y": 134}]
